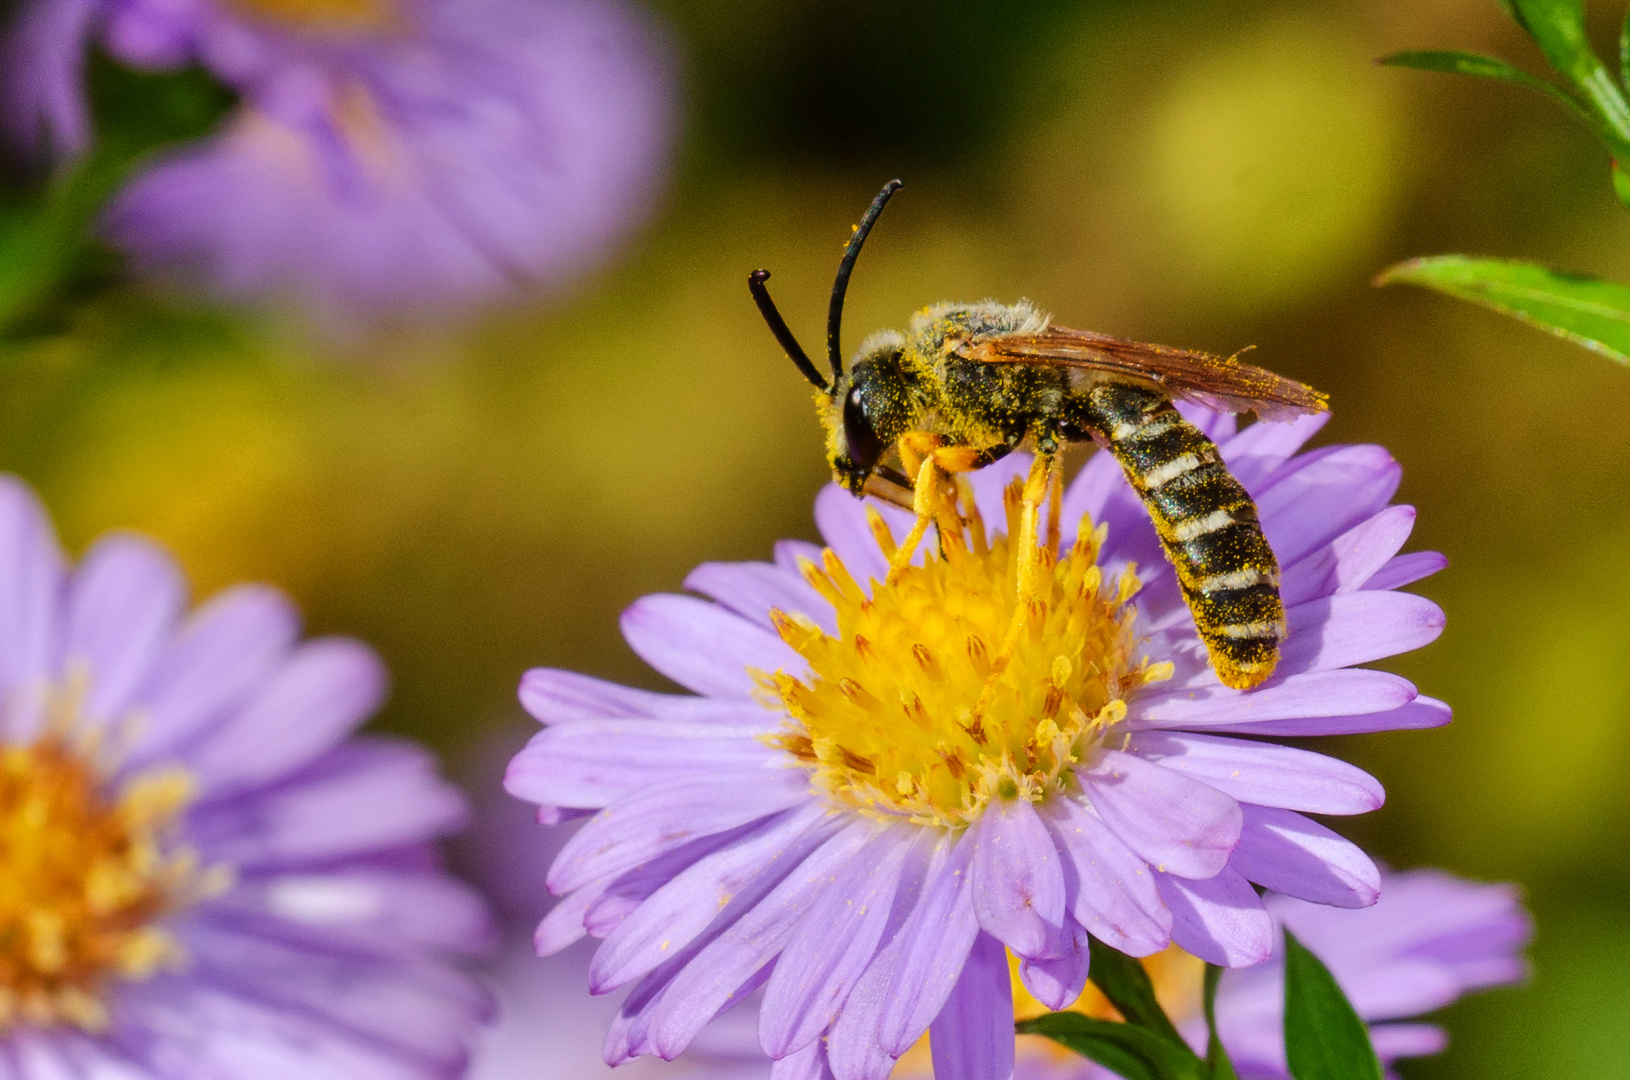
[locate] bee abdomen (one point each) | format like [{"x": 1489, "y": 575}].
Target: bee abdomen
[{"x": 1207, "y": 525}]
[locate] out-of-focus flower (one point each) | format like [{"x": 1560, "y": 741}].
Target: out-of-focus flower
[
  {"x": 831, "y": 818},
  {"x": 389, "y": 157},
  {"x": 1430, "y": 939},
  {"x": 203, "y": 873}
]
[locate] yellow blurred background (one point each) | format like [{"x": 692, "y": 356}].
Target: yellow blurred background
[{"x": 480, "y": 498}]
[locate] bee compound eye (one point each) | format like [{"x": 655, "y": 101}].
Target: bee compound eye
[{"x": 864, "y": 445}]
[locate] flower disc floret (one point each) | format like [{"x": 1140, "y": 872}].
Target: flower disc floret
[
  {"x": 86, "y": 877},
  {"x": 905, "y": 711}
]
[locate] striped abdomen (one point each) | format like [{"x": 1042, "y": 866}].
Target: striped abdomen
[{"x": 1207, "y": 524}]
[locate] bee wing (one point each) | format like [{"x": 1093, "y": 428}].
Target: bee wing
[{"x": 1214, "y": 381}]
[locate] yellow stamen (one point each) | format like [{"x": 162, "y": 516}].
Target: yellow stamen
[
  {"x": 904, "y": 713},
  {"x": 85, "y": 878}
]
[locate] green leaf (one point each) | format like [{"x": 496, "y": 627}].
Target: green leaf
[
  {"x": 1135, "y": 1053},
  {"x": 1584, "y": 309},
  {"x": 1558, "y": 26},
  {"x": 1324, "y": 1037},
  {"x": 1127, "y": 986},
  {"x": 1222, "y": 1068},
  {"x": 1488, "y": 67}
]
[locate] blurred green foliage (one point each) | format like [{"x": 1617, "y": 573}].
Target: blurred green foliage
[
  {"x": 50, "y": 259},
  {"x": 479, "y": 498}
]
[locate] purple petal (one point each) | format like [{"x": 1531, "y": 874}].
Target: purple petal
[
  {"x": 1058, "y": 981},
  {"x": 565, "y": 697},
  {"x": 716, "y": 974},
  {"x": 1218, "y": 426},
  {"x": 790, "y": 555},
  {"x": 1394, "y": 1041},
  {"x": 593, "y": 763},
  {"x": 1018, "y": 884},
  {"x": 1098, "y": 481},
  {"x": 676, "y": 913},
  {"x": 1320, "y": 496},
  {"x": 753, "y": 589},
  {"x": 972, "y": 1037},
  {"x": 1293, "y": 697},
  {"x": 1423, "y": 712},
  {"x": 1256, "y": 452},
  {"x": 833, "y": 946},
  {"x": 225, "y": 651},
  {"x": 664, "y": 817},
  {"x": 426, "y": 909},
  {"x": 702, "y": 646},
  {"x": 371, "y": 794},
  {"x": 1351, "y": 559},
  {"x": 1286, "y": 852},
  {"x": 1407, "y": 569},
  {"x": 842, "y": 520},
  {"x": 806, "y": 1063},
  {"x": 31, "y": 589},
  {"x": 1176, "y": 823},
  {"x": 1220, "y": 919},
  {"x": 1356, "y": 628},
  {"x": 564, "y": 924},
  {"x": 1113, "y": 890},
  {"x": 322, "y": 694},
  {"x": 1255, "y": 772},
  {"x": 123, "y": 604},
  {"x": 909, "y": 980}
]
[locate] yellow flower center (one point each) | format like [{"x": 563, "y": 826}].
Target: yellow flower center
[
  {"x": 323, "y": 15},
  {"x": 84, "y": 879},
  {"x": 911, "y": 710}
]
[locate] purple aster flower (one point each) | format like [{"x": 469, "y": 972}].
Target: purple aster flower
[
  {"x": 830, "y": 819},
  {"x": 206, "y": 874},
  {"x": 390, "y": 156}
]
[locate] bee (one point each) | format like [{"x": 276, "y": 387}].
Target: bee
[{"x": 967, "y": 384}]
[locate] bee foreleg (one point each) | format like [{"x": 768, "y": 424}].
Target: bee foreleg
[{"x": 927, "y": 497}]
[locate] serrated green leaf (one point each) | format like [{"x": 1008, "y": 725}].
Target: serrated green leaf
[
  {"x": 1324, "y": 1037},
  {"x": 1222, "y": 1067},
  {"x": 1582, "y": 308},
  {"x": 1126, "y": 984},
  {"x": 1558, "y": 26},
  {"x": 1135, "y": 1053}
]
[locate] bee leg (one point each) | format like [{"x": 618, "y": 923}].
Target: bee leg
[
  {"x": 927, "y": 497},
  {"x": 1030, "y": 556},
  {"x": 1055, "y": 500}
]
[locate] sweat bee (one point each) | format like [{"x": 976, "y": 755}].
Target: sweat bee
[{"x": 967, "y": 384}]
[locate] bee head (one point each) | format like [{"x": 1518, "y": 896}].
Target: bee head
[
  {"x": 859, "y": 409},
  {"x": 866, "y": 410}
]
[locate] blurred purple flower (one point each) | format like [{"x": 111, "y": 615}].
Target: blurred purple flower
[
  {"x": 848, "y": 834},
  {"x": 390, "y": 157},
  {"x": 205, "y": 873}
]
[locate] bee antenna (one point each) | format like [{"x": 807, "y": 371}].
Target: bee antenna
[
  {"x": 778, "y": 327},
  {"x": 834, "y": 313}
]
